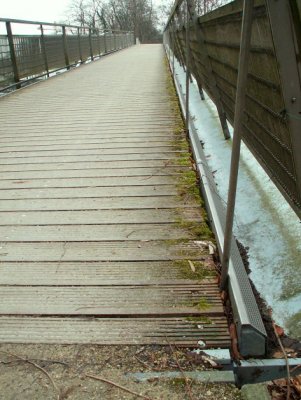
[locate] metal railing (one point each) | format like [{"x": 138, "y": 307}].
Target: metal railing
[
  {"x": 26, "y": 57},
  {"x": 246, "y": 55}
]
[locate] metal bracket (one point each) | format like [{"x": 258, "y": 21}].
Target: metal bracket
[{"x": 257, "y": 371}]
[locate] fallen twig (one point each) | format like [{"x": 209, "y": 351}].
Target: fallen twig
[
  {"x": 288, "y": 393},
  {"x": 99, "y": 378},
  {"x": 142, "y": 362},
  {"x": 295, "y": 368},
  {"x": 37, "y": 366},
  {"x": 188, "y": 386}
]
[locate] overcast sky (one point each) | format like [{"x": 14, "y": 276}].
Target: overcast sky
[
  {"x": 40, "y": 10},
  {"x": 36, "y": 10}
]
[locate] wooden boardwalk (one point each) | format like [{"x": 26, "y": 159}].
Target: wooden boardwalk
[{"x": 102, "y": 236}]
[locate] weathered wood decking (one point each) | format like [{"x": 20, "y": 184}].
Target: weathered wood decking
[{"x": 97, "y": 216}]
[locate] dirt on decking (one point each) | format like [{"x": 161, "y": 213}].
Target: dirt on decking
[{"x": 36, "y": 372}]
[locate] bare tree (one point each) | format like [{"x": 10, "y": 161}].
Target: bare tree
[
  {"x": 136, "y": 15},
  {"x": 205, "y": 6}
]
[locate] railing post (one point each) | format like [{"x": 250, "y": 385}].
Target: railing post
[
  {"x": 173, "y": 50},
  {"x": 115, "y": 43},
  {"x": 98, "y": 42},
  {"x": 105, "y": 41},
  {"x": 43, "y": 47},
  {"x": 79, "y": 46},
  {"x": 12, "y": 53},
  {"x": 245, "y": 44},
  {"x": 90, "y": 44},
  {"x": 193, "y": 66},
  {"x": 65, "y": 46}
]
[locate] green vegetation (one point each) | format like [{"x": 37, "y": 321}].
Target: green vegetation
[
  {"x": 200, "y": 320},
  {"x": 202, "y": 271}
]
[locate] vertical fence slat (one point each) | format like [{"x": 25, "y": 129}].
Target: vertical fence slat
[
  {"x": 12, "y": 53},
  {"x": 43, "y": 47},
  {"x": 90, "y": 44},
  {"x": 65, "y": 47},
  {"x": 79, "y": 46}
]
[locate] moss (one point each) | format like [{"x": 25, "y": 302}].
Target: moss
[
  {"x": 176, "y": 242},
  {"x": 180, "y": 145},
  {"x": 178, "y": 382},
  {"x": 199, "y": 320},
  {"x": 188, "y": 254},
  {"x": 201, "y": 271},
  {"x": 202, "y": 304},
  {"x": 182, "y": 161},
  {"x": 199, "y": 230}
]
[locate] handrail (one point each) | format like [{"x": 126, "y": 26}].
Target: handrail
[
  {"x": 24, "y": 58},
  {"x": 177, "y": 4},
  {"x": 21, "y": 21}
]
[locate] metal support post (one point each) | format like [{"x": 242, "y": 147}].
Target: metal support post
[
  {"x": 213, "y": 87},
  {"x": 65, "y": 46},
  {"x": 191, "y": 9},
  {"x": 187, "y": 65},
  {"x": 98, "y": 43},
  {"x": 44, "y": 52},
  {"x": 79, "y": 46},
  {"x": 12, "y": 53},
  {"x": 105, "y": 42},
  {"x": 173, "y": 53},
  {"x": 115, "y": 42},
  {"x": 90, "y": 44},
  {"x": 245, "y": 44},
  {"x": 181, "y": 51}
]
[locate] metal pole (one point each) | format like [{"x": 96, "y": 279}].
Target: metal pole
[
  {"x": 65, "y": 48},
  {"x": 43, "y": 46},
  {"x": 98, "y": 43},
  {"x": 115, "y": 43},
  {"x": 12, "y": 53},
  {"x": 79, "y": 46},
  {"x": 90, "y": 44},
  {"x": 105, "y": 42},
  {"x": 187, "y": 65},
  {"x": 245, "y": 44},
  {"x": 173, "y": 48}
]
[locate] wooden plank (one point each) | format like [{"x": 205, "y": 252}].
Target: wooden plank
[
  {"x": 93, "y": 233},
  {"x": 119, "y": 301},
  {"x": 28, "y": 143},
  {"x": 85, "y": 137},
  {"x": 93, "y": 173},
  {"x": 81, "y": 147},
  {"x": 89, "y": 158},
  {"x": 85, "y": 165},
  {"x": 114, "y": 181},
  {"x": 49, "y": 133},
  {"x": 86, "y": 203},
  {"x": 90, "y": 192},
  {"x": 90, "y": 150},
  {"x": 106, "y": 331},
  {"x": 97, "y": 273},
  {"x": 136, "y": 216},
  {"x": 101, "y": 251}
]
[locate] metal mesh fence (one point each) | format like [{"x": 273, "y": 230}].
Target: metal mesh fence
[
  {"x": 268, "y": 129},
  {"x": 56, "y": 47}
]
